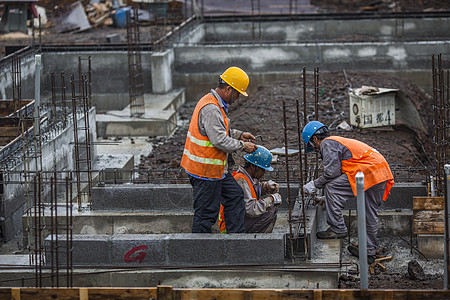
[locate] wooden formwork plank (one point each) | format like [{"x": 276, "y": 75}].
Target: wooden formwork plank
[
  {"x": 428, "y": 227},
  {"x": 257, "y": 294},
  {"x": 10, "y": 131},
  {"x": 428, "y": 203},
  {"x": 49, "y": 293},
  {"x": 167, "y": 293},
  {"x": 122, "y": 293}
]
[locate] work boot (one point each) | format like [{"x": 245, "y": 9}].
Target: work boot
[
  {"x": 354, "y": 250},
  {"x": 330, "y": 234}
]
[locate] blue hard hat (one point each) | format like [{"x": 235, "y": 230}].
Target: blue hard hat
[
  {"x": 261, "y": 157},
  {"x": 308, "y": 132}
]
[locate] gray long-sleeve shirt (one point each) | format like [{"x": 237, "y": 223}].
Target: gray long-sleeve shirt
[
  {"x": 253, "y": 207},
  {"x": 212, "y": 125},
  {"x": 333, "y": 153}
]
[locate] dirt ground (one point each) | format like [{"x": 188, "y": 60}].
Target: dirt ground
[
  {"x": 262, "y": 114},
  {"x": 397, "y": 275}
]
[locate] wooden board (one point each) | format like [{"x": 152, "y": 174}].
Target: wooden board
[
  {"x": 428, "y": 215},
  {"x": 428, "y": 227},
  {"x": 428, "y": 203}
]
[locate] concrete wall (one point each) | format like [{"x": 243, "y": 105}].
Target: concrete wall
[
  {"x": 27, "y": 76},
  {"x": 109, "y": 69},
  {"x": 294, "y": 31},
  {"x": 292, "y": 58}
]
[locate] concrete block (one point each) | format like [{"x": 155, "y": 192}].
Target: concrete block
[
  {"x": 431, "y": 245},
  {"x": 112, "y": 167},
  {"x": 400, "y": 197},
  {"x": 143, "y": 197},
  {"x": 196, "y": 249},
  {"x": 88, "y": 250},
  {"x": 135, "y": 250},
  {"x": 254, "y": 248},
  {"x": 155, "y": 197},
  {"x": 162, "y": 64}
]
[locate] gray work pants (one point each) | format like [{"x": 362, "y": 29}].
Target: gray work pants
[
  {"x": 337, "y": 192},
  {"x": 263, "y": 223}
]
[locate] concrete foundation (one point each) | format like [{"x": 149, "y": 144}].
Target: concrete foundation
[
  {"x": 159, "y": 118},
  {"x": 431, "y": 245}
]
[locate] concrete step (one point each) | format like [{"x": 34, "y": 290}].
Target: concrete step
[
  {"x": 132, "y": 222},
  {"x": 169, "y": 249},
  {"x": 159, "y": 118},
  {"x": 288, "y": 277},
  {"x": 154, "y": 197}
]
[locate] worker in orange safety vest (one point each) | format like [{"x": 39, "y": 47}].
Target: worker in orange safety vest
[
  {"x": 261, "y": 198},
  {"x": 342, "y": 159},
  {"x": 209, "y": 141}
]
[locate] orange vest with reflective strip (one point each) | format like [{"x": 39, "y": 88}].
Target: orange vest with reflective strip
[
  {"x": 236, "y": 176},
  {"x": 200, "y": 157},
  {"x": 367, "y": 160}
]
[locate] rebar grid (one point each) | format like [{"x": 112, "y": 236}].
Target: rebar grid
[
  {"x": 441, "y": 123},
  {"x": 51, "y": 192},
  {"x": 82, "y": 142},
  {"x": 135, "y": 76},
  {"x": 293, "y": 122}
]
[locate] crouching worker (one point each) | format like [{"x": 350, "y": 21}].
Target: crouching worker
[{"x": 261, "y": 199}]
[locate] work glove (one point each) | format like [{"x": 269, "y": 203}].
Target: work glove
[
  {"x": 309, "y": 188},
  {"x": 276, "y": 199},
  {"x": 270, "y": 187},
  {"x": 319, "y": 200}
]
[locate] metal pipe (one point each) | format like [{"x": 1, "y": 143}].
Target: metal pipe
[{"x": 362, "y": 239}]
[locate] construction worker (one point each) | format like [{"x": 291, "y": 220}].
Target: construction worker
[
  {"x": 261, "y": 199},
  {"x": 342, "y": 159},
  {"x": 208, "y": 142}
]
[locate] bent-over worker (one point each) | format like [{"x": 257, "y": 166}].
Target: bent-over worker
[
  {"x": 208, "y": 142},
  {"x": 261, "y": 199},
  {"x": 342, "y": 159}
]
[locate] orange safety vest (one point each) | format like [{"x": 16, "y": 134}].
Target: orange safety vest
[
  {"x": 236, "y": 176},
  {"x": 367, "y": 160},
  {"x": 200, "y": 157}
]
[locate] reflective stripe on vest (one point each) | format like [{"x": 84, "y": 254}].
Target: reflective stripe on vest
[
  {"x": 236, "y": 176},
  {"x": 367, "y": 160},
  {"x": 200, "y": 157}
]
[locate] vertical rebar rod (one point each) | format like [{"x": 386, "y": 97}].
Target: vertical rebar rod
[
  {"x": 40, "y": 227},
  {"x": 56, "y": 229},
  {"x": 87, "y": 135},
  {"x": 287, "y": 163},
  {"x": 35, "y": 229},
  {"x": 316, "y": 112},
  {"x": 446, "y": 228},
  {"x": 52, "y": 226},
  {"x": 362, "y": 239},
  {"x": 299, "y": 141},
  {"x": 70, "y": 249},
  {"x": 305, "y": 121},
  {"x": 53, "y": 91},
  {"x": 76, "y": 142},
  {"x": 135, "y": 76},
  {"x": 63, "y": 100}
]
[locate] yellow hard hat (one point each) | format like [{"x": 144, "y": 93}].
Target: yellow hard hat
[{"x": 236, "y": 78}]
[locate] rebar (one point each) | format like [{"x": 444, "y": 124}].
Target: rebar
[
  {"x": 135, "y": 76},
  {"x": 441, "y": 122}
]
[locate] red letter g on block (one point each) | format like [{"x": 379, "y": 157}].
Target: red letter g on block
[{"x": 140, "y": 256}]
